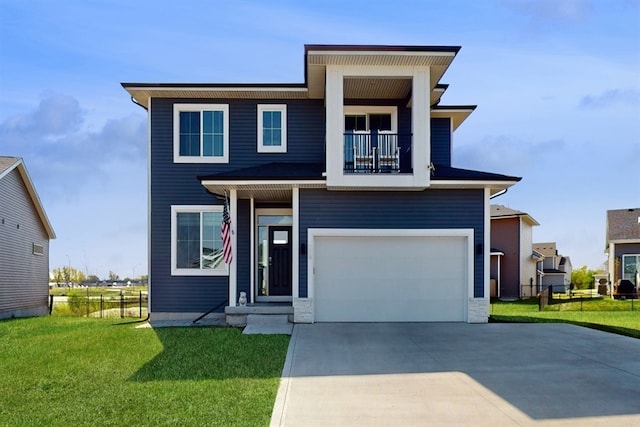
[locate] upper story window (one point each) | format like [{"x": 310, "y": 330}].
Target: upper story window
[
  {"x": 201, "y": 133},
  {"x": 272, "y": 128}
]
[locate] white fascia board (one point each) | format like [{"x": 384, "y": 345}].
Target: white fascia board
[
  {"x": 33, "y": 194},
  {"x": 379, "y": 53},
  {"x": 623, "y": 241},
  {"x": 217, "y": 88},
  {"x": 241, "y": 183}
]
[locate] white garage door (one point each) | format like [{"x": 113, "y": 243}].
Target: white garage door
[{"x": 390, "y": 278}]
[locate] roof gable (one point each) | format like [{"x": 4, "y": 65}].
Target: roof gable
[
  {"x": 8, "y": 164},
  {"x": 623, "y": 224}
]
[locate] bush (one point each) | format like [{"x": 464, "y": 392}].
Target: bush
[{"x": 77, "y": 303}]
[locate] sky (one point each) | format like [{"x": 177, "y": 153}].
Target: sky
[{"x": 557, "y": 84}]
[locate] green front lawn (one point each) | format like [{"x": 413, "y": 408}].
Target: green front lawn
[
  {"x": 600, "y": 313},
  {"x": 79, "y": 371}
]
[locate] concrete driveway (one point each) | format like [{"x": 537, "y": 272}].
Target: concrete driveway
[{"x": 403, "y": 374}]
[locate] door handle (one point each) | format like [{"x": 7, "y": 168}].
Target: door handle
[{"x": 269, "y": 260}]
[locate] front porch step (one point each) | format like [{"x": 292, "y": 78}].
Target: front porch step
[
  {"x": 268, "y": 324},
  {"x": 267, "y": 319},
  {"x": 259, "y": 314}
]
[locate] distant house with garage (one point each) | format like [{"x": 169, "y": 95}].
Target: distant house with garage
[
  {"x": 343, "y": 201},
  {"x": 623, "y": 245},
  {"x": 556, "y": 268},
  {"x": 25, "y": 232},
  {"x": 513, "y": 259}
]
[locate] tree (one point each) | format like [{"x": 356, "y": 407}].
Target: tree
[
  {"x": 93, "y": 278},
  {"x": 582, "y": 278},
  {"x": 113, "y": 277},
  {"x": 68, "y": 275},
  {"x": 58, "y": 277}
]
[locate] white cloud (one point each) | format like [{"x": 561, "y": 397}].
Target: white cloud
[
  {"x": 612, "y": 97},
  {"x": 62, "y": 156},
  {"x": 56, "y": 114}
]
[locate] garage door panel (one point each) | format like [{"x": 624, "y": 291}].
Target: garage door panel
[{"x": 390, "y": 278}]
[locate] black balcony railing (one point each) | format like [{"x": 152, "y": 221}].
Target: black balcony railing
[{"x": 377, "y": 152}]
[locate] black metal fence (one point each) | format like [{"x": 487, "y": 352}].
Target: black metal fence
[
  {"x": 100, "y": 306},
  {"x": 586, "y": 300}
]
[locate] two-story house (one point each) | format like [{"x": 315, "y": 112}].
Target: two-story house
[
  {"x": 556, "y": 268},
  {"x": 25, "y": 232},
  {"x": 343, "y": 202},
  {"x": 623, "y": 245},
  {"x": 513, "y": 260}
]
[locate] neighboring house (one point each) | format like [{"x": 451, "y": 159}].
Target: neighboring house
[
  {"x": 513, "y": 263},
  {"x": 343, "y": 201},
  {"x": 556, "y": 268},
  {"x": 623, "y": 245},
  {"x": 25, "y": 232}
]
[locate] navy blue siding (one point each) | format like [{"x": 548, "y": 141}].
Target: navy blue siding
[
  {"x": 388, "y": 210},
  {"x": 177, "y": 184},
  {"x": 305, "y": 134},
  {"x": 441, "y": 141},
  {"x": 243, "y": 249}
]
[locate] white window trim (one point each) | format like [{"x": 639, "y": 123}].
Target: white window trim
[
  {"x": 177, "y": 109},
  {"x": 622, "y": 264},
  {"x": 272, "y": 148},
  {"x": 350, "y": 110},
  {"x": 175, "y": 209}
]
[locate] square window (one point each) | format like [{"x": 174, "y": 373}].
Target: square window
[
  {"x": 272, "y": 128},
  {"x": 201, "y": 133}
]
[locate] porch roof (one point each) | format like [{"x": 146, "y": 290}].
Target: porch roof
[{"x": 274, "y": 181}]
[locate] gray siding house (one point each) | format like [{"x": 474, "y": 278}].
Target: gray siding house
[
  {"x": 343, "y": 202},
  {"x": 623, "y": 245},
  {"x": 25, "y": 232}
]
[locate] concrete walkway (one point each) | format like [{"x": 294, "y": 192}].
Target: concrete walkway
[{"x": 396, "y": 374}]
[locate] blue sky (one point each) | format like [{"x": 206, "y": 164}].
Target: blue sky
[{"x": 557, "y": 84}]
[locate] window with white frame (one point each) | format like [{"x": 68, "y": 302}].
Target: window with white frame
[
  {"x": 631, "y": 267},
  {"x": 272, "y": 128},
  {"x": 196, "y": 242},
  {"x": 201, "y": 133}
]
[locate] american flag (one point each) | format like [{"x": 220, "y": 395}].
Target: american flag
[{"x": 226, "y": 233}]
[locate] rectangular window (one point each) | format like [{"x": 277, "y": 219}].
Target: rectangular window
[
  {"x": 631, "y": 267},
  {"x": 201, "y": 133},
  {"x": 272, "y": 128},
  {"x": 196, "y": 247}
]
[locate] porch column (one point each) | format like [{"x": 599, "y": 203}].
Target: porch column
[
  {"x": 252, "y": 275},
  {"x": 295, "y": 241},
  {"x": 233, "y": 284}
]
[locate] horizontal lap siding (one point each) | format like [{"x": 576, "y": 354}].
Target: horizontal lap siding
[
  {"x": 24, "y": 277},
  {"x": 430, "y": 209},
  {"x": 177, "y": 184},
  {"x": 441, "y": 141}
]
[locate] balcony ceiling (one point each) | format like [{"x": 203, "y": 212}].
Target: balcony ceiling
[{"x": 317, "y": 62}]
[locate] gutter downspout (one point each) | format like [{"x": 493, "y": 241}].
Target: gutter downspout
[{"x": 135, "y": 101}]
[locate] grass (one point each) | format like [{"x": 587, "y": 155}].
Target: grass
[
  {"x": 78, "y": 371},
  {"x": 599, "y": 313},
  {"x": 96, "y": 291}
]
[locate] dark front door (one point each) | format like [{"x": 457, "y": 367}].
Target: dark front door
[{"x": 280, "y": 260}]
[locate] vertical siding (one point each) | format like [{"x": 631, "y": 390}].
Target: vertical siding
[
  {"x": 441, "y": 141},
  {"x": 24, "y": 277},
  {"x": 425, "y": 209}
]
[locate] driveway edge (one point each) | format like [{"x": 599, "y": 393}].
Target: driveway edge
[{"x": 277, "y": 415}]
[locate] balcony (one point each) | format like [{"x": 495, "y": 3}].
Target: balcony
[{"x": 377, "y": 152}]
